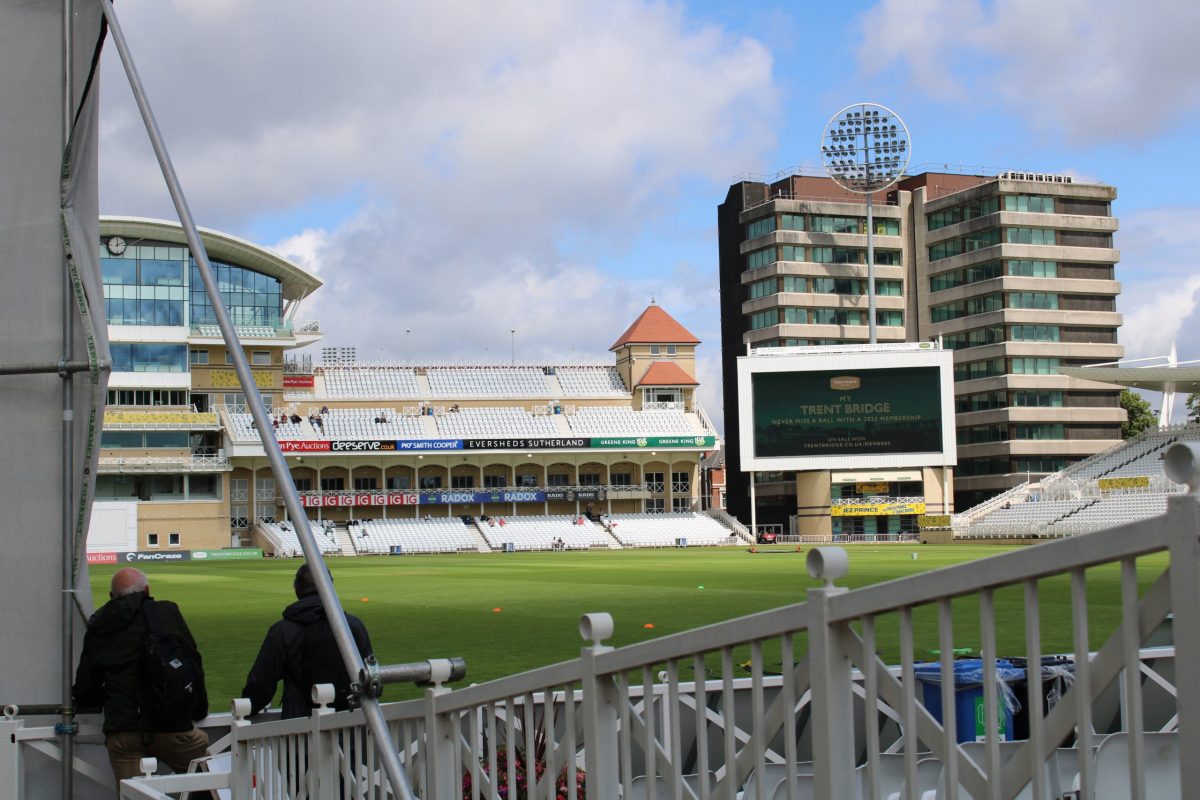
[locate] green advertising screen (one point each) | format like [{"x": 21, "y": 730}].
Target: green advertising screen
[{"x": 847, "y": 412}]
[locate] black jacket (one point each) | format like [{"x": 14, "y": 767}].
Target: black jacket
[
  {"x": 280, "y": 657},
  {"x": 107, "y": 678}
]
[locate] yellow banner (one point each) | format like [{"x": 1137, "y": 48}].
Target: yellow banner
[
  {"x": 871, "y": 488},
  {"x": 933, "y": 521},
  {"x": 877, "y": 509},
  {"x": 1133, "y": 482},
  {"x": 227, "y": 378},
  {"x": 122, "y": 417}
]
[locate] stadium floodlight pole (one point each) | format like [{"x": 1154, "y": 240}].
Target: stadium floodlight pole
[
  {"x": 312, "y": 553},
  {"x": 865, "y": 149}
]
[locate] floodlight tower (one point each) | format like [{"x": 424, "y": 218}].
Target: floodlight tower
[{"x": 865, "y": 149}]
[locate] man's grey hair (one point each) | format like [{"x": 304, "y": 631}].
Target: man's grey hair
[{"x": 128, "y": 581}]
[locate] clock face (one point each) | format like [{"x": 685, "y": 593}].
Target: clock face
[{"x": 116, "y": 245}]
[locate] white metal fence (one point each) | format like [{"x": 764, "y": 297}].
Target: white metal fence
[{"x": 696, "y": 714}]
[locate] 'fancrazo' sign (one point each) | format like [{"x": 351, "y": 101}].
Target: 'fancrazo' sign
[
  {"x": 134, "y": 556},
  {"x": 359, "y": 499}
]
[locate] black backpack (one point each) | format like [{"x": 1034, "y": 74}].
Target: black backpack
[
  {"x": 170, "y": 683},
  {"x": 321, "y": 662}
]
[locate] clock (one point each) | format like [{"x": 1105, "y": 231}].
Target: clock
[{"x": 116, "y": 245}]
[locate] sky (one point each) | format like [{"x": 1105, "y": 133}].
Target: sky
[{"x": 462, "y": 169}]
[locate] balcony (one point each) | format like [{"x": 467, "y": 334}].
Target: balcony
[{"x": 110, "y": 465}]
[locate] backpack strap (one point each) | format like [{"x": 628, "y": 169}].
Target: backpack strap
[{"x": 150, "y": 613}]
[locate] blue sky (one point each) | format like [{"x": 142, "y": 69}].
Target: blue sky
[{"x": 460, "y": 169}]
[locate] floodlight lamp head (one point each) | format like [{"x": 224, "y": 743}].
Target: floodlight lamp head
[{"x": 857, "y": 150}]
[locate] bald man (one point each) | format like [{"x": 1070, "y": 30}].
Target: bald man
[{"x": 109, "y": 679}]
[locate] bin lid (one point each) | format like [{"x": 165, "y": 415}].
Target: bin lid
[{"x": 968, "y": 671}]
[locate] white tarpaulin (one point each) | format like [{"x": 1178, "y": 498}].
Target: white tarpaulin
[{"x": 49, "y": 250}]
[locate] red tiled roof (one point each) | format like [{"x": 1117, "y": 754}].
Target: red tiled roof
[
  {"x": 655, "y": 326},
  {"x": 666, "y": 373}
]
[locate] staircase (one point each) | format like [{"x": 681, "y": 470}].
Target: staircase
[
  {"x": 481, "y": 543},
  {"x": 342, "y": 536}
]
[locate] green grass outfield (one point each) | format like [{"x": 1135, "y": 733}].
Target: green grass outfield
[{"x": 419, "y": 607}]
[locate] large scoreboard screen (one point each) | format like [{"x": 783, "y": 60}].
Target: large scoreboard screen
[{"x": 814, "y": 409}]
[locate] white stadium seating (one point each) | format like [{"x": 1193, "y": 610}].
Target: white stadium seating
[
  {"x": 665, "y": 530},
  {"x": 616, "y": 421},
  {"x": 539, "y": 533},
  {"x": 490, "y": 422},
  {"x": 360, "y": 423},
  {"x": 488, "y": 382},
  {"x": 389, "y": 382},
  {"x": 287, "y": 545},
  {"x": 591, "y": 382},
  {"x": 440, "y": 535},
  {"x": 1076, "y": 501}
]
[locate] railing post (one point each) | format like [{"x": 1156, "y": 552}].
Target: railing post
[
  {"x": 11, "y": 770},
  {"x": 832, "y": 689},
  {"x": 1181, "y": 463},
  {"x": 599, "y": 711},
  {"x": 322, "y": 772},
  {"x": 441, "y": 749},
  {"x": 241, "y": 774}
]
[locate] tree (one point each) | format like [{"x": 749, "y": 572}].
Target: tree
[
  {"x": 1139, "y": 412},
  {"x": 1193, "y": 407}
]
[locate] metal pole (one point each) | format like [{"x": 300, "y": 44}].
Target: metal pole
[
  {"x": 871, "y": 269},
  {"x": 312, "y": 553},
  {"x": 67, "y": 725}
]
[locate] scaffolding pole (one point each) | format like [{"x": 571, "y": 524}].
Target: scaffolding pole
[{"x": 312, "y": 553}]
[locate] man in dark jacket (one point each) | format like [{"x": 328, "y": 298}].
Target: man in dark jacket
[
  {"x": 109, "y": 678},
  {"x": 301, "y": 650}
]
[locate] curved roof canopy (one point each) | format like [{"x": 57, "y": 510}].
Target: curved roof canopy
[
  {"x": 1157, "y": 379},
  {"x": 297, "y": 281}
]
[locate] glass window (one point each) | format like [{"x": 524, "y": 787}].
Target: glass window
[
  {"x": 1043, "y": 430},
  {"x": 794, "y": 283},
  {"x": 118, "y": 271},
  {"x": 396, "y": 483},
  {"x": 173, "y": 539},
  {"x": 558, "y": 479},
  {"x": 462, "y": 481},
  {"x": 161, "y": 273},
  {"x": 795, "y": 316},
  {"x": 366, "y": 484},
  {"x": 176, "y": 439},
  {"x": 495, "y": 481},
  {"x": 826, "y": 224},
  {"x": 762, "y": 289},
  {"x": 1037, "y": 204},
  {"x": 763, "y": 319},
  {"x": 961, "y": 213},
  {"x": 887, "y": 227},
  {"x": 1031, "y": 365},
  {"x": 1041, "y": 300},
  {"x": 333, "y": 484},
  {"x": 1038, "y": 399},
  {"x": 199, "y": 356},
  {"x": 1033, "y": 269},
  {"x": 889, "y": 318},
  {"x": 132, "y": 357},
  {"x": 760, "y": 258},
  {"x": 791, "y": 252},
  {"x": 261, "y": 358},
  {"x": 760, "y": 227},
  {"x": 152, "y": 540},
  {"x": 791, "y": 222},
  {"x": 1034, "y": 333},
  {"x": 1029, "y": 235},
  {"x": 431, "y": 482}
]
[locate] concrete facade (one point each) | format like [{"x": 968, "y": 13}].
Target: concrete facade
[{"x": 1012, "y": 310}]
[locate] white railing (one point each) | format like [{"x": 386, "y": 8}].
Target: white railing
[
  {"x": 729, "y": 521},
  {"x": 991, "y": 504},
  {"x": 676, "y": 405},
  {"x": 192, "y": 463},
  {"x": 631, "y": 712}
]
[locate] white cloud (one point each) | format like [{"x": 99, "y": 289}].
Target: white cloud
[
  {"x": 1097, "y": 70},
  {"x": 479, "y": 135},
  {"x": 1159, "y": 281}
]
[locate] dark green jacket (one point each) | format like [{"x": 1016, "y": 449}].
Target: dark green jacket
[{"x": 107, "y": 678}]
